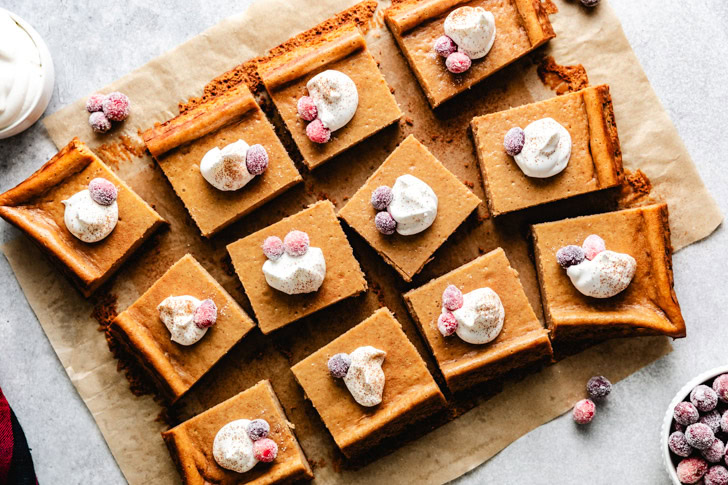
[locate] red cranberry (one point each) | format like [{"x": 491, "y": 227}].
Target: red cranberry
[
  {"x": 457, "y": 63},
  {"x": 102, "y": 191},
  {"x": 256, "y": 159},
  {"x": 569, "y": 256},
  {"x": 714, "y": 452},
  {"x": 699, "y": 436},
  {"x": 258, "y": 429},
  {"x": 307, "y": 109},
  {"x": 690, "y": 470},
  {"x": 444, "y": 46},
  {"x": 712, "y": 419},
  {"x": 265, "y": 450},
  {"x": 720, "y": 386},
  {"x": 598, "y": 387},
  {"x": 717, "y": 475},
  {"x": 592, "y": 246},
  {"x": 94, "y": 103},
  {"x": 273, "y": 247},
  {"x": 514, "y": 140},
  {"x": 116, "y": 106},
  {"x": 584, "y": 411},
  {"x": 686, "y": 414},
  {"x": 381, "y": 197},
  {"x": 452, "y": 298},
  {"x": 99, "y": 123},
  {"x": 385, "y": 223},
  {"x": 447, "y": 324},
  {"x": 206, "y": 314},
  {"x": 296, "y": 243},
  {"x": 339, "y": 365},
  {"x": 704, "y": 398},
  {"x": 679, "y": 445},
  {"x": 317, "y": 132}
]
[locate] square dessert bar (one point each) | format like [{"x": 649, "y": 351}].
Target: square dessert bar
[
  {"x": 174, "y": 367},
  {"x": 180, "y": 144},
  {"x": 596, "y": 157},
  {"x": 191, "y": 443},
  {"x": 410, "y": 392},
  {"x": 285, "y": 77},
  {"x": 648, "y": 306},
  {"x": 522, "y": 341},
  {"x": 409, "y": 254},
  {"x": 36, "y": 207},
  {"x": 344, "y": 277},
  {"x": 521, "y": 27}
]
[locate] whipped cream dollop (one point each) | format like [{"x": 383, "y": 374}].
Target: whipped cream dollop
[
  {"x": 293, "y": 274},
  {"x": 88, "y": 220},
  {"x": 226, "y": 169},
  {"x": 606, "y": 275},
  {"x": 480, "y": 319},
  {"x": 472, "y": 29},
  {"x": 178, "y": 315},
  {"x": 335, "y": 96},
  {"x": 365, "y": 377},
  {"x": 413, "y": 205},
  {"x": 546, "y": 149},
  {"x": 232, "y": 448},
  {"x": 21, "y": 72}
]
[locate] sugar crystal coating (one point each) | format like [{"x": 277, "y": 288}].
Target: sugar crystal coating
[
  {"x": 690, "y": 470},
  {"x": 717, "y": 475},
  {"x": 452, "y": 298},
  {"x": 317, "y": 132},
  {"x": 381, "y": 197},
  {"x": 679, "y": 445},
  {"x": 598, "y": 387},
  {"x": 514, "y": 140},
  {"x": 265, "y": 450},
  {"x": 258, "y": 429},
  {"x": 592, "y": 246},
  {"x": 94, "y": 103},
  {"x": 385, "y": 223},
  {"x": 273, "y": 247},
  {"x": 714, "y": 452},
  {"x": 256, "y": 159},
  {"x": 99, "y": 122},
  {"x": 457, "y": 62},
  {"x": 116, "y": 106},
  {"x": 102, "y": 191},
  {"x": 720, "y": 386},
  {"x": 712, "y": 420},
  {"x": 704, "y": 398},
  {"x": 296, "y": 243},
  {"x": 699, "y": 436},
  {"x": 444, "y": 46},
  {"x": 584, "y": 411},
  {"x": 447, "y": 324},
  {"x": 686, "y": 414},
  {"x": 339, "y": 365},
  {"x": 307, "y": 108},
  {"x": 569, "y": 256},
  {"x": 724, "y": 422},
  {"x": 206, "y": 314}
]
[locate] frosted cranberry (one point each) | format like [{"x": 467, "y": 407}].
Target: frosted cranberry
[
  {"x": 307, "y": 109},
  {"x": 514, "y": 140},
  {"x": 273, "y": 247},
  {"x": 339, "y": 365},
  {"x": 584, "y": 411},
  {"x": 717, "y": 475},
  {"x": 447, "y": 324},
  {"x": 102, "y": 191},
  {"x": 385, "y": 223},
  {"x": 690, "y": 470},
  {"x": 452, "y": 298},
  {"x": 720, "y": 386},
  {"x": 699, "y": 436},
  {"x": 679, "y": 445},
  {"x": 444, "y": 46},
  {"x": 457, "y": 62},
  {"x": 686, "y": 414},
  {"x": 206, "y": 314},
  {"x": 381, "y": 197},
  {"x": 256, "y": 159},
  {"x": 99, "y": 123},
  {"x": 724, "y": 422},
  {"x": 265, "y": 450},
  {"x": 714, "y": 452},
  {"x": 592, "y": 246},
  {"x": 712, "y": 420},
  {"x": 296, "y": 243},
  {"x": 704, "y": 398},
  {"x": 569, "y": 256},
  {"x": 116, "y": 106},
  {"x": 258, "y": 429},
  {"x": 598, "y": 387},
  {"x": 94, "y": 103},
  {"x": 317, "y": 132}
]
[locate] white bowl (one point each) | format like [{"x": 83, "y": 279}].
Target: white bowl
[
  {"x": 38, "y": 107},
  {"x": 667, "y": 422}
]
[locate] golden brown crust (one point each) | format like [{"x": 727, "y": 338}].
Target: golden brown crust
[
  {"x": 604, "y": 139},
  {"x": 536, "y": 21},
  {"x": 404, "y": 16}
]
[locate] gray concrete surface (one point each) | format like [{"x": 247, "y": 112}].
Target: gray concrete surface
[{"x": 683, "y": 46}]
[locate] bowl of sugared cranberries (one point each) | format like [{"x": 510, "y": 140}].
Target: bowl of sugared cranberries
[{"x": 695, "y": 431}]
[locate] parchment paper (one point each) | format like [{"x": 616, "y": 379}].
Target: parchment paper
[{"x": 131, "y": 424}]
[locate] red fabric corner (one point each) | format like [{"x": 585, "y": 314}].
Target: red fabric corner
[{"x": 7, "y": 441}]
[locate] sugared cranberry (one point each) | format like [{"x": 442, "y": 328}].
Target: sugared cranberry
[
  {"x": 444, "y": 46},
  {"x": 457, "y": 63},
  {"x": 514, "y": 140},
  {"x": 592, "y": 246},
  {"x": 385, "y": 223},
  {"x": 704, "y": 398},
  {"x": 686, "y": 414},
  {"x": 339, "y": 365},
  {"x": 265, "y": 450},
  {"x": 569, "y": 256},
  {"x": 258, "y": 429},
  {"x": 317, "y": 132},
  {"x": 307, "y": 109},
  {"x": 712, "y": 420},
  {"x": 273, "y": 247},
  {"x": 720, "y": 386},
  {"x": 724, "y": 422},
  {"x": 95, "y": 102},
  {"x": 116, "y": 106},
  {"x": 679, "y": 445},
  {"x": 598, "y": 387},
  {"x": 256, "y": 159},
  {"x": 447, "y": 324},
  {"x": 102, "y": 191},
  {"x": 690, "y": 470},
  {"x": 381, "y": 197},
  {"x": 99, "y": 123},
  {"x": 584, "y": 411},
  {"x": 206, "y": 314},
  {"x": 296, "y": 243},
  {"x": 714, "y": 452},
  {"x": 717, "y": 475},
  {"x": 452, "y": 298},
  {"x": 699, "y": 436}
]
